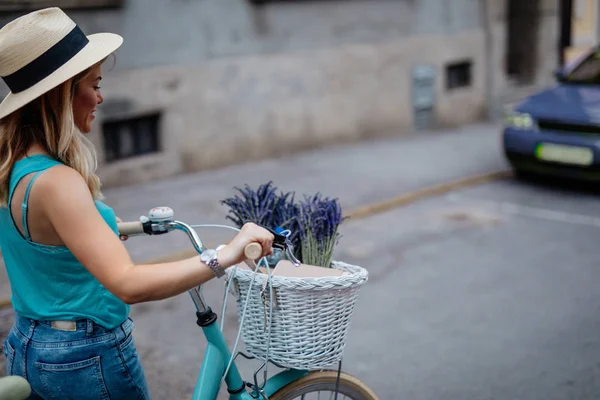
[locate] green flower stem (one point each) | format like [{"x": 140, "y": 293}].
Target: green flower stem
[{"x": 318, "y": 253}]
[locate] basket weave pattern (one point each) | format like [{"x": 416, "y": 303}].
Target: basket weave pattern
[{"x": 310, "y": 316}]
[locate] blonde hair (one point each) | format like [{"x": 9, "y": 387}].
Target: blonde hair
[{"x": 48, "y": 122}]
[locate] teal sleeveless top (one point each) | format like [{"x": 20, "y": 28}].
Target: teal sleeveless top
[{"x": 48, "y": 282}]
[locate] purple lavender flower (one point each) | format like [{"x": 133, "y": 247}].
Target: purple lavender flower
[
  {"x": 265, "y": 207},
  {"x": 313, "y": 222},
  {"x": 319, "y": 219}
]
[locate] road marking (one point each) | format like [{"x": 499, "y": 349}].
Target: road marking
[
  {"x": 437, "y": 190},
  {"x": 365, "y": 211},
  {"x": 532, "y": 212}
]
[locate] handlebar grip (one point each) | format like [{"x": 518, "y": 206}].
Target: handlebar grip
[
  {"x": 130, "y": 228},
  {"x": 253, "y": 251}
]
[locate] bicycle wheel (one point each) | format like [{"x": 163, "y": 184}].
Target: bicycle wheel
[{"x": 322, "y": 385}]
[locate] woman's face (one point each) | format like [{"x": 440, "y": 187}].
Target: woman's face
[{"x": 86, "y": 99}]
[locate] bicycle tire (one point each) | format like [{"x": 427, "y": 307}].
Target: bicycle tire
[{"x": 349, "y": 386}]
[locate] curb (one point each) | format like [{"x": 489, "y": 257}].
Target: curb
[
  {"x": 365, "y": 211},
  {"x": 437, "y": 190}
]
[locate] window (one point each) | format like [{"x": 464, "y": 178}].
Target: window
[
  {"x": 586, "y": 71},
  {"x": 30, "y": 5},
  {"x": 131, "y": 137},
  {"x": 458, "y": 75}
]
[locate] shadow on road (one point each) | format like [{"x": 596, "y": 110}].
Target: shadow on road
[{"x": 557, "y": 184}]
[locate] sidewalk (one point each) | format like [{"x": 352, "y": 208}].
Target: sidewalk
[{"x": 357, "y": 174}]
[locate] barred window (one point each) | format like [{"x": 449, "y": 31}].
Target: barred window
[
  {"x": 126, "y": 138},
  {"x": 458, "y": 75}
]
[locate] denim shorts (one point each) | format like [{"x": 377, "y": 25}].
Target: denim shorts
[{"x": 90, "y": 362}]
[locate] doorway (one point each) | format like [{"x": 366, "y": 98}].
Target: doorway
[{"x": 523, "y": 20}]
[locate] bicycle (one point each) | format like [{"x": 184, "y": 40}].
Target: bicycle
[{"x": 218, "y": 363}]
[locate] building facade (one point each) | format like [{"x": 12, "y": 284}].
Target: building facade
[{"x": 203, "y": 84}]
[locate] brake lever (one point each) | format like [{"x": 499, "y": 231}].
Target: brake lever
[
  {"x": 279, "y": 241},
  {"x": 282, "y": 242}
]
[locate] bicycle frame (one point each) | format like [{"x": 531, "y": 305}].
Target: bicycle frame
[{"x": 217, "y": 357}]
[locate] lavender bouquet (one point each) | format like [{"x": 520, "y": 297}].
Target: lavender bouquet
[
  {"x": 314, "y": 222},
  {"x": 320, "y": 218}
]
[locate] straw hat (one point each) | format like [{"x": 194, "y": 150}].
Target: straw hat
[{"x": 43, "y": 49}]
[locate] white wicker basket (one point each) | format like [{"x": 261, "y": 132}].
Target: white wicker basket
[{"x": 310, "y": 316}]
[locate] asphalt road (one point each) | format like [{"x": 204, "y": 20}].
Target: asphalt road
[{"x": 488, "y": 293}]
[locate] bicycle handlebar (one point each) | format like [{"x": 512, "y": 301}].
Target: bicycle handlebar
[
  {"x": 131, "y": 228},
  {"x": 253, "y": 251},
  {"x": 160, "y": 221}
]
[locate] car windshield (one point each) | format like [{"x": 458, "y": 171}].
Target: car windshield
[{"x": 586, "y": 71}]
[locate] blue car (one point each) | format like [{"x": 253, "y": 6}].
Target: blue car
[{"x": 556, "y": 131}]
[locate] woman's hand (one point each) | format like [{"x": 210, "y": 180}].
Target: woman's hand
[
  {"x": 123, "y": 237},
  {"x": 233, "y": 253}
]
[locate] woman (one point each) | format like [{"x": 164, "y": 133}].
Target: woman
[{"x": 71, "y": 277}]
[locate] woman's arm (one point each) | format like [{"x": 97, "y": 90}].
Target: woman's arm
[{"x": 71, "y": 210}]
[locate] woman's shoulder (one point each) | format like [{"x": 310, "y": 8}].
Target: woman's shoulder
[
  {"x": 61, "y": 180},
  {"x": 31, "y": 164},
  {"x": 60, "y": 175}
]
